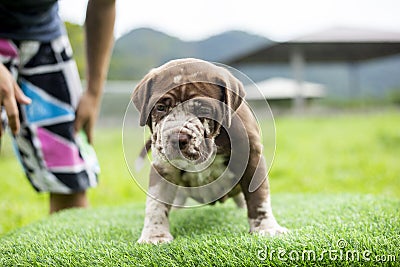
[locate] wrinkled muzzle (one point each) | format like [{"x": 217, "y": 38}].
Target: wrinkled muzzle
[{"x": 181, "y": 139}]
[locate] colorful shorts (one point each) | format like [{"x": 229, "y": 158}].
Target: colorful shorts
[{"x": 54, "y": 158}]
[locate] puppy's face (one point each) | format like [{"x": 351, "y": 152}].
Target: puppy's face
[
  {"x": 185, "y": 122},
  {"x": 185, "y": 102}
]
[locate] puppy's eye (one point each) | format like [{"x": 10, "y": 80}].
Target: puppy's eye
[{"x": 161, "y": 108}]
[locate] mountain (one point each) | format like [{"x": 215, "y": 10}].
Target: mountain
[
  {"x": 138, "y": 51},
  {"x": 142, "y": 49},
  {"x": 228, "y": 44}
]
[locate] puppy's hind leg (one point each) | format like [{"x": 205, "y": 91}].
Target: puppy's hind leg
[{"x": 240, "y": 201}]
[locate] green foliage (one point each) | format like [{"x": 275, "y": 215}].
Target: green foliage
[
  {"x": 326, "y": 230},
  {"x": 77, "y": 39},
  {"x": 394, "y": 96}
]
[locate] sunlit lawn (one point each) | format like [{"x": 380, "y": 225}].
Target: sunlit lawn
[{"x": 348, "y": 153}]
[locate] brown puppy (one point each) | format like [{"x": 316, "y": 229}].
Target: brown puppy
[{"x": 205, "y": 144}]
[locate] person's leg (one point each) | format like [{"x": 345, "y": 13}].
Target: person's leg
[
  {"x": 55, "y": 158},
  {"x": 65, "y": 201}
]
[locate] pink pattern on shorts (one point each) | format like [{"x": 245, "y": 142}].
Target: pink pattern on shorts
[
  {"x": 7, "y": 49},
  {"x": 58, "y": 152}
]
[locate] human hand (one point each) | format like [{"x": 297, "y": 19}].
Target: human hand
[
  {"x": 10, "y": 94},
  {"x": 99, "y": 26},
  {"x": 86, "y": 114}
]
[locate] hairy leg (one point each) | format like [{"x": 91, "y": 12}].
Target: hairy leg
[
  {"x": 65, "y": 201},
  {"x": 260, "y": 216},
  {"x": 156, "y": 222}
]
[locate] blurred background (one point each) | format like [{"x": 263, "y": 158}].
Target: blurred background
[
  {"x": 330, "y": 70},
  {"x": 343, "y": 54}
]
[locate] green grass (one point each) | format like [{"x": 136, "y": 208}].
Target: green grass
[
  {"x": 357, "y": 229},
  {"x": 20, "y": 204},
  {"x": 333, "y": 177},
  {"x": 344, "y": 153}
]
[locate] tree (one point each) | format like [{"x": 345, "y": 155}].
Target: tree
[{"x": 77, "y": 39}]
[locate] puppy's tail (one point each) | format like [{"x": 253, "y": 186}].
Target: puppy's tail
[{"x": 139, "y": 163}]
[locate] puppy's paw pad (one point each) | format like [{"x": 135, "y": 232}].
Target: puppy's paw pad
[
  {"x": 156, "y": 239},
  {"x": 271, "y": 231}
]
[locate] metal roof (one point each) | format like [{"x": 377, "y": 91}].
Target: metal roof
[
  {"x": 333, "y": 45},
  {"x": 283, "y": 88}
]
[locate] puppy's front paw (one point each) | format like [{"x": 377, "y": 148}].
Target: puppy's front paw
[
  {"x": 155, "y": 238},
  {"x": 266, "y": 227},
  {"x": 270, "y": 231}
]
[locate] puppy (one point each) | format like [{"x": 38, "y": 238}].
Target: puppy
[{"x": 205, "y": 144}]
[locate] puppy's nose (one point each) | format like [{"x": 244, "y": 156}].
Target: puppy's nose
[
  {"x": 183, "y": 140},
  {"x": 180, "y": 139}
]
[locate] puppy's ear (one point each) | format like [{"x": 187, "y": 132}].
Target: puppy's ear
[
  {"x": 141, "y": 96},
  {"x": 233, "y": 95}
]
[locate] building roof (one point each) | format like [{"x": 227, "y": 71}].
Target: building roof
[
  {"x": 351, "y": 35},
  {"x": 283, "y": 88},
  {"x": 336, "y": 44}
]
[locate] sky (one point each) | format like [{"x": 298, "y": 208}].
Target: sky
[{"x": 279, "y": 20}]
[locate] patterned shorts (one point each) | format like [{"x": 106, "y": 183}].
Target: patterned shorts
[{"x": 54, "y": 158}]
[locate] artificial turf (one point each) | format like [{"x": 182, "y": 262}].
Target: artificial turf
[
  {"x": 326, "y": 229},
  {"x": 334, "y": 181}
]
